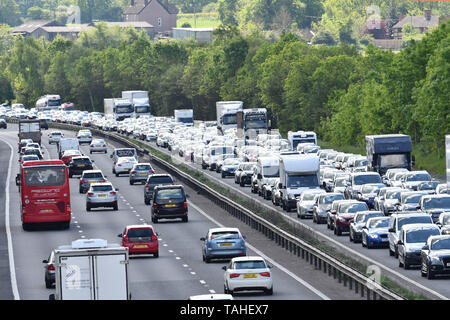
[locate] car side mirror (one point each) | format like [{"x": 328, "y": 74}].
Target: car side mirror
[
  {"x": 120, "y": 235},
  {"x": 202, "y": 239},
  {"x": 259, "y": 176},
  {"x": 391, "y": 230},
  {"x": 117, "y": 189},
  {"x": 425, "y": 247},
  {"x": 92, "y": 161},
  {"x": 400, "y": 242},
  {"x": 280, "y": 186},
  {"x": 364, "y": 227},
  {"x": 351, "y": 221},
  {"x": 224, "y": 268},
  {"x": 44, "y": 261},
  {"x": 18, "y": 179},
  {"x": 111, "y": 156},
  {"x": 51, "y": 297},
  {"x": 188, "y": 196},
  {"x": 269, "y": 266}
]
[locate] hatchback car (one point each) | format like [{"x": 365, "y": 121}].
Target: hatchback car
[
  {"x": 358, "y": 223},
  {"x": 31, "y": 157},
  {"x": 3, "y": 124},
  {"x": 55, "y": 137},
  {"x": 32, "y": 151},
  {"x": 98, "y": 145},
  {"x": 248, "y": 273},
  {"x": 375, "y": 232},
  {"x": 49, "y": 267},
  {"x": 84, "y": 137},
  {"x": 223, "y": 243},
  {"x": 124, "y": 165},
  {"x": 444, "y": 222},
  {"x": 140, "y": 172},
  {"x": 140, "y": 239},
  {"x": 79, "y": 164},
  {"x": 169, "y": 202},
  {"x": 368, "y": 192},
  {"x": 229, "y": 167},
  {"x": 305, "y": 204},
  {"x": 435, "y": 256},
  {"x": 90, "y": 176},
  {"x": 69, "y": 154},
  {"x": 101, "y": 195},
  {"x": 153, "y": 181},
  {"x": 322, "y": 205}
]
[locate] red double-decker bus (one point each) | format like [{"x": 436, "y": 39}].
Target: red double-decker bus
[{"x": 45, "y": 193}]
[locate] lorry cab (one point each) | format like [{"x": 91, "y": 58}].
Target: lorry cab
[
  {"x": 123, "y": 152},
  {"x": 297, "y": 174},
  {"x": 267, "y": 170}
]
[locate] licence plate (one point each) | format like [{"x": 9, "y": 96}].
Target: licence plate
[
  {"x": 249, "y": 275},
  {"x": 170, "y": 205},
  {"x": 81, "y": 165},
  {"x": 448, "y": 264},
  {"x": 140, "y": 246},
  {"x": 384, "y": 239},
  {"x": 226, "y": 244},
  {"x": 142, "y": 173},
  {"x": 102, "y": 195},
  {"x": 46, "y": 211},
  {"x": 92, "y": 181}
]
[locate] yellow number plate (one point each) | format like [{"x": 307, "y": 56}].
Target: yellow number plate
[
  {"x": 250, "y": 275},
  {"x": 102, "y": 195},
  {"x": 226, "y": 244},
  {"x": 46, "y": 211},
  {"x": 140, "y": 246},
  {"x": 170, "y": 205}
]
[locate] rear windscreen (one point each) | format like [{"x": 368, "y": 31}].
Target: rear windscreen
[
  {"x": 143, "y": 167},
  {"x": 225, "y": 235},
  {"x": 140, "y": 233},
  {"x": 170, "y": 194},
  {"x": 125, "y": 153},
  {"x": 92, "y": 175},
  {"x": 44, "y": 176},
  {"x": 160, "y": 180},
  {"x": 102, "y": 188}
]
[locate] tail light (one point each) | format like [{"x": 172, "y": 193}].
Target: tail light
[
  {"x": 104, "y": 145},
  {"x": 90, "y": 193},
  {"x": 152, "y": 171},
  {"x": 51, "y": 267},
  {"x": 154, "y": 238},
  {"x": 265, "y": 274},
  {"x": 102, "y": 180},
  {"x": 155, "y": 206},
  {"x": 83, "y": 181},
  {"x": 119, "y": 165},
  {"x": 125, "y": 238},
  {"x": 147, "y": 187},
  {"x": 112, "y": 192},
  {"x": 185, "y": 205},
  {"x": 234, "y": 275},
  {"x": 133, "y": 172}
]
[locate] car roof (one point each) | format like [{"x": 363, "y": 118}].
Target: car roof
[
  {"x": 160, "y": 175},
  {"x": 139, "y": 226},
  {"x": 224, "y": 229},
  {"x": 92, "y": 171},
  {"x": 247, "y": 258},
  {"x": 434, "y": 196},
  {"x": 177, "y": 186},
  {"x": 212, "y": 296},
  {"x": 96, "y": 184},
  {"x": 419, "y": 226}
]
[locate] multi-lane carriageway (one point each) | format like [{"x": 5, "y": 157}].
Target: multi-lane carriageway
[{"x": 178, "y": 273}]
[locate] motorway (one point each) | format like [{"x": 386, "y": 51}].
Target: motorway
[
  {"x": 178, "y": 273},
  {"x": 378, "y": 256}
]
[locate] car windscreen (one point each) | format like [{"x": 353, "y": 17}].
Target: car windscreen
[
  {"x": 413, "y": 198},
  {"x": 167, "y": 194},
  {"x": 431, "y": 185},
  {"x": 363, "y": 179},
  {"x": 45, "y": 176},
  {"x": 160, "y": 180},
  {"x": 416, "y": 236},
  {"x": 330, "y": 199},
  {"x": 366, "y": 216},
  {"x": 81, "y": 161},
  {"x": 379, "y": 223},
  {"x": 271, "y": 171},
  {"x": 302, "y": 181},
  {"x": 440, "y": 244},
  {"x": 225, "y": 235},
  {"x": 412, "y": 220},
  {"x": 417, "y": 177},
  {"x": 436, "y": 203},
  {"x": 125, "y": 153},
  {"x": 140, "y": 233},
  {"x": 355, "y": 207},
  {"x": 392, "y": 194},
  {"x": 308, "y": 196},
  {"x": 370, "y": 189},
  {"x": 340, "y": 182},
  {"x": 247, "y": 167},
  {"x": 102, "y": 188},
  {"x": 249, "y": 265},
  {"x": 92, "y": 175}
]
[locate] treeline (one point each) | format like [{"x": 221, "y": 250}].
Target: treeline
[{"x": 337, "y": 91}]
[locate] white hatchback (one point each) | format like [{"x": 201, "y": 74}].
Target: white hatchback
[
  {"x": 248, "y": 273},
  {"x": 124, "y": 165}
]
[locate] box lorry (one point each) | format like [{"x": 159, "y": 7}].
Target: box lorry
[
  {"x": 389, "y": 151},
  {"x": 140, "y": 101},
  {"x": 67, "y": 144},
  {"x": 119, "y": 108},
  {"x": 226, "y": 112},
  {"x": 91, "y": 269},
  {"x": 185, "y": 116},
  {"x": 297, "y": 137},
  {"x": 30, "y": 129},
  {"x": 252, "y": 122},
  {"x": 297, "y": 174}
]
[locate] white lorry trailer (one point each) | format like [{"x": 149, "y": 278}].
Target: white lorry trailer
[
  {"x": 297, "y": 174},
  {"x": 67, "y": 144},
  {"x": 91, "y": 269},
  {"x": 119, "y": 108},
  {"x": 140, "y": 101},
  {"x": 252, "y": 122},
  {"x": 226, "y": 112},
  {"x": 298, "y": 137},
  {"x": 185, "y": 116}
]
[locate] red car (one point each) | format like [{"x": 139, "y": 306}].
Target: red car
[
  {"x": 140, "y": 239},
  {"x": 69, "y": 154}
]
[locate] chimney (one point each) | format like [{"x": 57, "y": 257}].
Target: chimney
[
  {"x": 427, "y": 14},
  {"x": 132, "y": 3}
]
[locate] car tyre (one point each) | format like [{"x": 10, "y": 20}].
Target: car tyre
[
  {"x": 156, "y": 255},
  {"x": 269, "y": 292}
]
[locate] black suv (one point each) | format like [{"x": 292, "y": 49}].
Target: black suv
[
  {"x": 78, "y": 164},
  {"x": 153, "y": 181},
  {"x": 3, "y": 124},
  {"x": 169, "y": 202}
]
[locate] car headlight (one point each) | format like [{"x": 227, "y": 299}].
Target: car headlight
[
  {"x": 291, "y": 197},
  {"x": 373, "y": 236},
  {"x": 435, "y": 260},
  {"x": 341, "y": 219}
]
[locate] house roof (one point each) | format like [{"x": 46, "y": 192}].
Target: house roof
[
  {"x": 133, "y": 24},
  {"x": 418, "y": 22},
  {"x": 31, "y": 25},
  {"x": 64, "y": 29},
  {"x": 140, "y": 5}
]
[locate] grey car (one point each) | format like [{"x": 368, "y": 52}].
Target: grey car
[
  {"x": 88, "y": 177},
  {"x": 153, "y": 181},
  {"x": 50, "y": 271},
  {"x": 223, "y": 243},
  {"x": 323, "y": 205},
  {"x": 140, "y": 172},
  {"x": 101, "y": 195}
]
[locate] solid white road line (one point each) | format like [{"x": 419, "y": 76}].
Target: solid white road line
[
  {"x": 301, "y": 281},
  {"x": 12, "y": 268}
]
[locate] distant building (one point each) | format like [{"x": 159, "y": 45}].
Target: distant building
[
  {"x": 378, "y": 29},
  {"x": 138, "y": 25},
  {"x": 196, "y": 34},
  {"x": 421, "y": 24},
  {"x": 159, "y": 13},
  {"x": 34, "y": 29}
]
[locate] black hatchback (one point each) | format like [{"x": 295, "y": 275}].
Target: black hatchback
[
  {"x": 78, "y": 164},
  {"x": 169, "y": 202},
  {"x": 153, "y": 181}
]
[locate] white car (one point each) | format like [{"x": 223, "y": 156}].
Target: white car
[
  {"x": 84, "y": 136},
  {"x": 124, "y": 165},
  {"x": 248, "y": 273},
  {"x": 98, "y": 145},
  {"x": 55, "y": 136}
]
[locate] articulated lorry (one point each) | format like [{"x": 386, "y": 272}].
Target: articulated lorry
[
  {"x": 252, "y": 122},
  {"x": 226, "y": 113},
  {"x": 91, "y": 269},
  {"x": 118, "y": 108},
  {"x": 297, "y": 174},
  {"x": 185, "y": 116},
  {"x": 389, "y": 151},
  {"x": 30, "y": 129},
  {"x": 140, "y": 101}
]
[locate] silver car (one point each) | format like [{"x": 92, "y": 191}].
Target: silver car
[
  {"x": 88, "y": 177},
  {"x": 140, "y": 172},
  {"x": 55, "y": 137},
  {"x": 101, "y": 195},
  {"x": 98, "y": 145}
]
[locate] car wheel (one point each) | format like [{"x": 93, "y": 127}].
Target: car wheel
[
  {"x": 391, "y": 253},
  {"x": 400, "y": 264},
  {"x": 88, "y": 207},
  {"x": 147, "y": 201},
  {"x": 116, "y": 207},
  {"x": 185, "y": 219},
  {"x": 156, "y": 255},
  {"x": 350, "y": 236},
  {"x": 225, "y": 290},
  {"x": 396, "y": 252},
  {"x": 269, "y": 292},
  {"x": 430, "y": 274},
  {"x": 117, "y": 174},
  {"x": 338, "y": 231},
  {"x": 48, "y": 284},
  {"x": 131, "y": 183}
]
